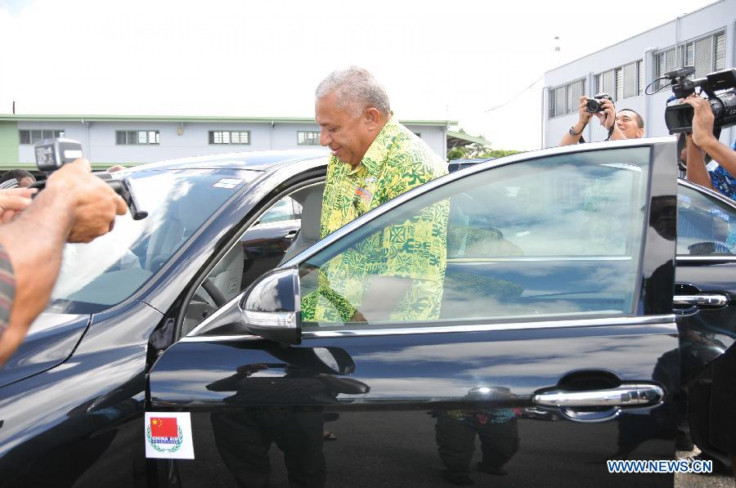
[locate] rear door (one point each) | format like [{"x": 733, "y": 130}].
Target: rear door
[
  {"x": 535, "y": 343},
  {"x": 705, "y": 303}
]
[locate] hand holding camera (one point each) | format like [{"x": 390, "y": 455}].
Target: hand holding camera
[
  {"x": 720, "y": 89},
  {"x": 53, "y": 154},
  {"x": 702, "y": 122},
  {"x": 92, "y": 203},
  {"x": 13, "y": 201},
  {"x": 601, "y": 106}
]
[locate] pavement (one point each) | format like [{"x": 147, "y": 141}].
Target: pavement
[{"x": 699, "y": 480}]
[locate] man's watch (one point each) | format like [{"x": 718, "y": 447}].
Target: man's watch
[{"x": 572, "y": 130}]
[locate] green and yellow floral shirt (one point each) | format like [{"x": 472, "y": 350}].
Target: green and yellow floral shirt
[{"x": 396, "y": 162}]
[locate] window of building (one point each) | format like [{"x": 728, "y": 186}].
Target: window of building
[
  {"x": 566, "y": 98},
  {"x": 27, "y": 136},
  {"x": 630, "y": 80},
  {"x": 621, "y": 82},
  {"x": 136, "y": 137},
  {"x": 706, "y": 54},
  {"x": 307, "y": 138},
  {"x": 229, "y": 137}
]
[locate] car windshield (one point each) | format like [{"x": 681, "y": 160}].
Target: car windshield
[{"x": 108, "y": 270}]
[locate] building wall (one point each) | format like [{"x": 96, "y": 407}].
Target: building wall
[
  {"x": 710, "y": 19},
  {"x": 176, "y": 139},
  {"x": 9, "y": 144}
]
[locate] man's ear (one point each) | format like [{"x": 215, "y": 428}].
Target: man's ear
[{"x": 372, "y": 117}]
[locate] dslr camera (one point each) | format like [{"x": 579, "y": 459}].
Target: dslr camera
[
  {"x": 719, "y": 86},
  {"x": 52, "y": 154},
  {"x": 593, "y": 105}
]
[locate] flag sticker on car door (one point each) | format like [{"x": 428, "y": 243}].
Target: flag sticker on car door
[{"x": 169, "y": 435}]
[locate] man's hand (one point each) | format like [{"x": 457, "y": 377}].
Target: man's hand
[
  {"x": 703, "y": 120},
  {"x": 93, "y": 205},
  {"x": 583, "y": 114},
  {"x": 583, "y": 118},
  {"x": 13, "y": 201},
  {"x": 607, "y": 116}
]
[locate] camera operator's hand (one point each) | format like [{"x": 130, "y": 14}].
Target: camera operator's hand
[
  {"x": 13, "y": 201},
  {"x": 702, "y": 120},
  {"x": 695, "y": 168},
  {"x": 93, "y": 205},
  {"x": 703, "y": 123},
  {"x": 607, "y": 116}
]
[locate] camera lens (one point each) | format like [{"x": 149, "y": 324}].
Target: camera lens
[{"x": 593, "y": 105}]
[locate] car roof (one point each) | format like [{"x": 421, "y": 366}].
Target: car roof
[{"x": 253, "y": 160}]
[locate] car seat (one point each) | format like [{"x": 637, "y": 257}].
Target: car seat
[{"x": 310, "y": 224}]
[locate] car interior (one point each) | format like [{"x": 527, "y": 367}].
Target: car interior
[{"x": 238, "y": 268}]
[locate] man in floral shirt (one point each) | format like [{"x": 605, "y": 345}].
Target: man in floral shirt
[{"x": 374, "y": 159}]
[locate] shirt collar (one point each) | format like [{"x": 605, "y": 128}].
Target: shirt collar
[{"x": 378, "y": 151}]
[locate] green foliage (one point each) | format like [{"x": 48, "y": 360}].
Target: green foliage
[{"x": 477, "y": 150}]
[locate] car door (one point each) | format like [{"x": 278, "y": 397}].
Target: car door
[
  {"x": 511, "y": 323},
  {"x": 705, "y": 304}
]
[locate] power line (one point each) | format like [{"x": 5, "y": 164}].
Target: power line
[{"x": 515, "y": 96}]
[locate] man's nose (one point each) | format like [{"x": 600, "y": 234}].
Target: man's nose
[{"x": 324, "y": 138}]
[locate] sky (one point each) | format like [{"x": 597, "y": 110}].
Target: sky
[{"x": 478, "y": 62}]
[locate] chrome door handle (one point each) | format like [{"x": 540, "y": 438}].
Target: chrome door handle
[
  {"x": 629, "y": 395},
  {"x": 607, "y": 403},
  {"x": 711, "y": 300}
]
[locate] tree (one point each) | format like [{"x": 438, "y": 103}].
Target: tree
[{"x": 476, "y": 150}]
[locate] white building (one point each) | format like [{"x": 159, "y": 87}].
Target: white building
[
  {"x": 705, "y": 39},
  {"x": 127, "y": 140}
]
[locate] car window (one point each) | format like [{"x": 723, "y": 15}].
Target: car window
[
  {"x": 259, "y": 249},
  {"x": 108, "y": 270},
  {"x": 540, "y": 238},
  {"x": 705, "y": 226},
  {"x": 284, "y": 209}
]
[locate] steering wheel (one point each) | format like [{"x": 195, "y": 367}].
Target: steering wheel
[{"x": 214, "y": 292}]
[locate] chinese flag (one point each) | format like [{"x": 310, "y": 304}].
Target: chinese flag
[{"x": 164, "y": 427}]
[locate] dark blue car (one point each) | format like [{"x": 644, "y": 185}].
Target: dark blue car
[{"x": 586, "y": 306}]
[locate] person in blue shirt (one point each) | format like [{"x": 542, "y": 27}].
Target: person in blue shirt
[{"x": 719, "y": 175}]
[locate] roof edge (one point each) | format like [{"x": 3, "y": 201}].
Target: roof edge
[{"x": 183, "y": 119}]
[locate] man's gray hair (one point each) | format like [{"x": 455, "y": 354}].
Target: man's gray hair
[{"x": 355, "y": 86}]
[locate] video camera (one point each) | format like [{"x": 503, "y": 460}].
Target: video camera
[
  {"x": 719, "y": 86},
  {"x": 52, "y": 154}
]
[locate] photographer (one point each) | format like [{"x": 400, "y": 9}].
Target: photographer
[
  {"x": 703, "y": 141},
  {"x": 75, "y": 206},
  {"x": 626, "y": 124}
]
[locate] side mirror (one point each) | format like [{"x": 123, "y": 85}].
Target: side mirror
[{"x": 271, "y": 308}]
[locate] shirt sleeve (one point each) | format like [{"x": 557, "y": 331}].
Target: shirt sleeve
[{"x": 7, "y": 289}]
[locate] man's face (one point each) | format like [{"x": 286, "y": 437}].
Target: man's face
[
  {"x": 348, "y": 135},
  {"x": 626, "y": 123}
]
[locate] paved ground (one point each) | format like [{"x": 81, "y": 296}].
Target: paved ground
[{"x": 700, "y": 481}]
